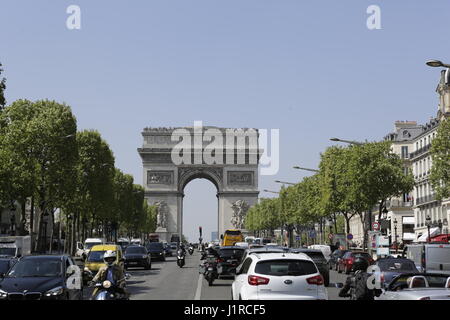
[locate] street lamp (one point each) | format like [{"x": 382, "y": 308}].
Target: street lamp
[
  {"x": 307, "y": 169},
  {"x": 428, "y": 224},
  {"x": 437, "y": 64},
  {"x": 13, "y": 218},
  {"x": 395, "y": 230},
  {"x": 265, "y": 190},
  {"x": 347, "y": 141},
  {"x": 284, "y": 182}
]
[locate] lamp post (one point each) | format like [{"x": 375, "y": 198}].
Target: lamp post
[
  {"x": 307, "y": 169},
  {"x": 445, "y": 224},
  {"x": 330, "y": 220},
  {"x": 395, "y": 230},
  {"x": 284, "y": 182},
  {"x": 13, "y": 218},
  {"x": 428, "y": 224},
  {"x": 347, "y": 141},
  {"x": 282, "y": 222}
]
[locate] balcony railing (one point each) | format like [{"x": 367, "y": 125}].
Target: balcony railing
[
  {"x": 420, "y": 151},
  {"x": 425, "y": 199},
  {"x": 396, "y": 203}
]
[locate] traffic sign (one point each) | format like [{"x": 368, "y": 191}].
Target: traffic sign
[
  {"x": 312, "y": 233},
  {"x": 297, "y": 238},
  {"x": 349, "y": 236},
  {"x": 376, "y": 226}
]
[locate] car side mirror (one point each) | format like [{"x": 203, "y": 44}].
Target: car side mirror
[{"x": 339, "y": 285}]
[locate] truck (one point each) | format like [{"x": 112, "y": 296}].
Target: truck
[
  {"x": 15, "y": 246},
  {"x": 429, "y": 258}
]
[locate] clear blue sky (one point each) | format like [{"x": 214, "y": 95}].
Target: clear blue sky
[{"x": 310, "y": 68}]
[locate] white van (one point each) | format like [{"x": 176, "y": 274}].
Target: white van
[
  {"x": 326, "y": 250},
  {"x": 429, "y": 258}
]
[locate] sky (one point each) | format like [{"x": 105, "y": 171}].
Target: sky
[{"x": 311, "y": 69}]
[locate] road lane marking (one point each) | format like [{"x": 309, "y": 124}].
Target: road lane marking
[{"x": 198, "y": 293}]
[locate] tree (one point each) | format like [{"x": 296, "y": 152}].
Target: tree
[
  {"x": 440, "y": 153},
  {"x": 2, "y": 90}
]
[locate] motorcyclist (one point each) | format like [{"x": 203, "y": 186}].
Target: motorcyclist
[
  {"x": 358, "y": 282},
  {"x": 112, "y": 272}
]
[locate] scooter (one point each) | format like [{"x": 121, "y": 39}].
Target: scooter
[
  {"x": 209, "y": 269},
  {"x": 109, "y": 291},
  {"x": 191, "y": 250},
  {"x": 180, "y": 258}
]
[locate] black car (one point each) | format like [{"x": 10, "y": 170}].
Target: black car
[
  {"x": 334, "y": 258},
  {"x": 42, "y": 277},
  {"x": 229, "y": 258},
  {"x": 319, "y": 260},
  {"x": 137, "y": 256},
  {"x": 167, "y": 250},
  {"x": 156, "y": 250},
  {"x": 392, "y": 267}
]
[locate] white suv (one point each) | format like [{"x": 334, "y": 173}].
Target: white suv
[{"x": 278, "y": 276}]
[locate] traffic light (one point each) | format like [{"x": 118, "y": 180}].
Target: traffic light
[{"x": 200, "y": 230}]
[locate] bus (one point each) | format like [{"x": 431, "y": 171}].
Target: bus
[{"x": 232, "y": 236}]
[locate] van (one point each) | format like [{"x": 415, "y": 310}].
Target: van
[
  {"x": 429, "y": 258},
  {"x": 326, "y": 250},
  {"x": 231, "y": 237}
]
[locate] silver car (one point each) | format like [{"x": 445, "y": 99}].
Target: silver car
[{"x": 413, "y": 286}]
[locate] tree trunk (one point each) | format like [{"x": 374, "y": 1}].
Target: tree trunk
[{"x": 32, "y": 224}]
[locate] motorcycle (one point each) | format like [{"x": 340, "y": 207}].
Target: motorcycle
[
  {"x": 180, "y": 258},
  {"x": 209, "y": 269},
  {"x": 110, "y": 291},
  {"x": 191, "y": 250}
]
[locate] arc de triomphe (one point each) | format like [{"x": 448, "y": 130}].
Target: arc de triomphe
[{"x": 234, "y": 172}]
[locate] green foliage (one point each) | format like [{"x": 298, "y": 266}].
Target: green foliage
[{"x": 440, "y": 152}]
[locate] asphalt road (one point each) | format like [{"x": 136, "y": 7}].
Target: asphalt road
[{"x": 167, "y": 281}]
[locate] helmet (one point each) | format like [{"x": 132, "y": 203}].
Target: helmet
[
  {"x": 210, "y": 245},
  {"x": 360, "y": 264},
  {"x": 109, "y": 257}
]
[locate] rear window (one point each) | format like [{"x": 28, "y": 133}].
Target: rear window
[
  {"x": 285, "y": 267},
  {"x": 395, "y": 265},
  {"x": 233, "y": 232},
  {"x": 231, "y": 253}
]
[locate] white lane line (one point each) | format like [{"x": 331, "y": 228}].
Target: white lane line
[{"x": 198, "y": 293}]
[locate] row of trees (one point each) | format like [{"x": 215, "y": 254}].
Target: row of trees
[
  {"x": 350, "y": 182},
  {"x": 45, "y": 159}
]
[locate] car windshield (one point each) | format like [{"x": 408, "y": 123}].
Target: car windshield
[
  {"x": 397, "y": 265},
  {"x": 135, "y": 250},
  {"x": 155, "y": 246},
  {"x": 11, "y": 252},
  {"x": 91, "y": 244},
  {"x": 4, "y": 266},
  {"x": 233, "y": 232},
  {"x": 37, "y": 267},
  {"x": 285, "y": 267},
  {"x": 96, "y": 256}
]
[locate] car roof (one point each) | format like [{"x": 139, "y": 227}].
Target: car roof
[
  {"x": 305, "y": 250},
  {"x": 35, "y": 256},
  {"x": 135, "y": 246},
  {"x": 104, "y": 247},
  {"x": 282, "y": 255},
  {"x": 232, "y": 247}
]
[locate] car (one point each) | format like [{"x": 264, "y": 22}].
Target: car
[
  {"x": 42, "y": 277},
  {"x": 137, "y": 256},
  {"x": 346, "y": 262},
  {"x": 94, "y": 260},
  {"x": 326, "y": 249},
  {"x": 278, "y": 276},
  {"x": 335, "y": 257},
  {"x": 167, "y": 250},
  {"x": 320, "y": 261},
  {"x": 156, "y": 250},
  {"x": 413, "y": 286},
  {"x": 173, "y": 246},
  {"x": 244, "y": 245},
  {"x": 229, "y": 258},
  {"x": 123, "y": 243},
  {"x": 391, "y": 267}
]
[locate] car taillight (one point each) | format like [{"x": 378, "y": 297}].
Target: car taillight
[
  {"x": 382, "y": 277},
  {"x": 317, "y": 280},
  {"x": 219, "y": 260},
  {"x": 256, "y": 280}
]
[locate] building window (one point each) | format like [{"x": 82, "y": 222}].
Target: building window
[{"x": 404, "y": 152}]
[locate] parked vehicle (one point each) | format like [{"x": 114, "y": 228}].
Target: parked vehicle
[
  {"x": 346, "y": 262},
  {"x": 335, "y": 257},
  {"x": 156, "y": 250},
  {"x": 109, "y": 291},
  {"x": 415, "y": 286},
  {"x": 229, "y": 259},
  {"x": 392, "y": 267},
  {"x": 320, "y": 261},
  {"x": 278, "y": 276},
  {"x": 42, "y": 277},
  {"x": 231, "y": 236},
  {"x": 15, "y": 246},
  {"x": 429, "y": 258},
  {"x": 181, "y": 258},
  {"x": 94, "y": 260},
  {"x": 137, "y": 256}
]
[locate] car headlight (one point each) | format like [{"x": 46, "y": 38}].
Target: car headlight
[
  {"x": 54, "y": 292},
  {"x": 3, "y": 294},
  {"x": 106, "y": 284},
  {"x": 144, "y": 256},
  {"x": 86, "y": 269}
]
